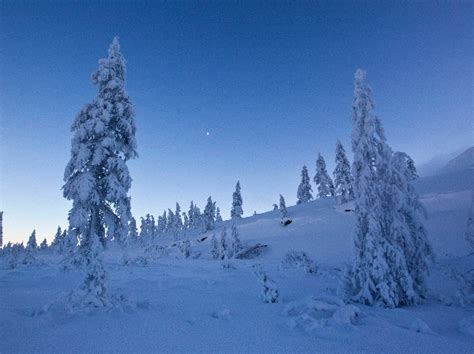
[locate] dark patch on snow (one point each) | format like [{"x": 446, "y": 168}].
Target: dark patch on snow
[{"x": 251, "y": 252}]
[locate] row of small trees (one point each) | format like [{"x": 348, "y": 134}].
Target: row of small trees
[{"x": 341, "y": 187}]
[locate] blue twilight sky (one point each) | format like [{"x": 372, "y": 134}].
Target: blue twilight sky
[{"x": 270, "y": 81}]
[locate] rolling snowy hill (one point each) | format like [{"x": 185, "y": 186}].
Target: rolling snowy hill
[{"x": 204, "y": 305}]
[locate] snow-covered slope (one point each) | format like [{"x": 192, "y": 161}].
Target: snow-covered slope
[{"x": 202, "y": 305}]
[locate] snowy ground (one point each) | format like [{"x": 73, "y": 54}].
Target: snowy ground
[{"x": 197, "y": 305}]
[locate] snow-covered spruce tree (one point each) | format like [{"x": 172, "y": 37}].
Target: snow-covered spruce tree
[
  {"x": 161, "y": 225},
  {"x": 282, "y": 207},
  {"x": 223, "y": 244},
  {"x": 191, "y": 215},
  {"x": 304, "y": 194},
  {"x": 43, "y": 245},
  {"x": 147, "y": 228},
  {"x": 57, "y": 240},
  {"x": 235, "y": 245},
  {"x": 275, "y": 207},
  {"x": 97, "y": 178},
  {"x": 380, "y": 274},
  {"x": 342, "y": 175},
  {"x": 208, "y": 216},
  {"x": 178, "y": 222},
  {"x": 218, "y": 215},
  {"x": 185, "y": 221},
  {"x": 323, "y": 181},
  {"x": 32, "y": 241},
  {"x": 214, "y": 247},
  {"x": 198, "y": 218},
  {"x": 31, "y": 246},
  {"x": 132, "y": 231},
  {"x": 170, "y": 222},
  {"x": 236, "y": 210}
]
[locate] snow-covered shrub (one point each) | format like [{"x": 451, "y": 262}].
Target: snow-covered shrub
[
  {"x": 44, "y": 245},
  {"x": 228, "y": 265},
  {"x": 270, "y": 292},
  {"x": 223, "y": 244},
  {"x": 155, "y": 251},
  {"x": 138, "y": 261},
  {"x": 295, "y": 259},
  {"x": 185, "y": 248},
  {"x": 214, "y": 247},
  {"x": 13, "y": 256},
  {"x": 235, "y": 245},
  {"x": 465, "y": 292},
  {"x": 316, "y": 314}
]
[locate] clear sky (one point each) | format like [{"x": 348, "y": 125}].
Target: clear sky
[{"x": 270, "y": 81}]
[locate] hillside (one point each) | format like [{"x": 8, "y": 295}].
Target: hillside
[{"x": 202, "y": 305}]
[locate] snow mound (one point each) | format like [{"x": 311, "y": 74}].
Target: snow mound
[
  {"x": 420, "y": 326},
  {"x": 320, "y": 313},
  {"x": 223, "y": 314},
  {"x": 466, "y": 326}
]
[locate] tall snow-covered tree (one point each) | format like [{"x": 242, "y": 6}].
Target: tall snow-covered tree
[
  {"x": 342, "y": 175},
  {"x": 323, "y": 181},
  {"x": 304, "y": 194},
  {"x": 97, "y": 179},
  {"x": 282, "y": 207},
  {"x": 381, "y": 274},
  {"x": 209, "y": 213},
  {"x": 236, "y": 210}
]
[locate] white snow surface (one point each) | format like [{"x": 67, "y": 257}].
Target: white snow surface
[{"x": 196, "y": 304}]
